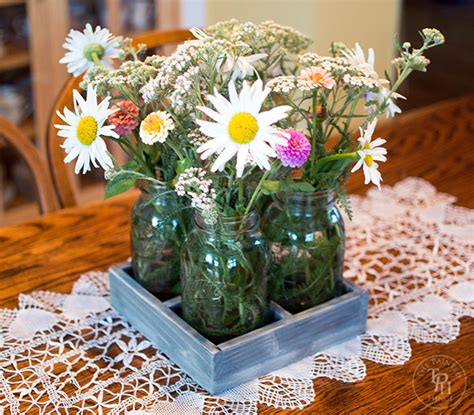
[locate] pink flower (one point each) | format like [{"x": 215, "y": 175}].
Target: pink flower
[
  {"x": 297, "y": 151},
  {"x": 125, "y": 117},
  {"x": 319, "y": 77}
]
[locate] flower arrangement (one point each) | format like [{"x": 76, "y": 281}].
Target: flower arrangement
[{"x": 239, "y": 113}]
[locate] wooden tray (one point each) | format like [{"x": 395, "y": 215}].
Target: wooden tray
[{"x": 218, "y": 367}]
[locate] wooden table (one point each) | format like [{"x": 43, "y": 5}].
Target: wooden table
[{"x": 435, "y": 143}]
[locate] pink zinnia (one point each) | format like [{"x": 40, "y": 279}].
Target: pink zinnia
[
  {"x": 319, "y": 77},
  {"x": 297, "y": 151},
  {"x": 125, "y": 118}
]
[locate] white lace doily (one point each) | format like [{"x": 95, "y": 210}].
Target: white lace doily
[{"x": 408, "y": 246}]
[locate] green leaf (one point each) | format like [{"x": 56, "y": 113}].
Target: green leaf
[
  {"x": 229, "y": 211},
  {"x": 296, "y": 186},
  {"x": 121, "y": 182},
  {"x": 182, "y": 165},
  {"x": 131, "y": 165},
  {"x": 270, "y": 187}
]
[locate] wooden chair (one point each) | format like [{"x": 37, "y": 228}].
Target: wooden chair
[
  {"x": 61, "y": 173},
  {"x": 41, "y": 174}
]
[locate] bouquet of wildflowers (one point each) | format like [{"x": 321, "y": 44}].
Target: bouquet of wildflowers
[{"x": 235, "y": 114}]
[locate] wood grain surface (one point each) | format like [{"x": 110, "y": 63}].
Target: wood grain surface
[{"x": 435, "y": 143}]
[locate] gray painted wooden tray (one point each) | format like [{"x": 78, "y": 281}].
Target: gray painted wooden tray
[{"x": 218, "y": 367}]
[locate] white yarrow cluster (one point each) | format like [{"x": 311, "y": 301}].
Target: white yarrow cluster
[
  {"x": 283, "y": 84},
  {"x": 358, "y": 81},
  {"x": 177, "y": 65},
  {"x": 179, "y": 98},
  {"x": 193, "y": 184},
  {"x": 335, "y": 65},
  {"x": 261, "y": 36},
  {"x": 196, "y": 138}
]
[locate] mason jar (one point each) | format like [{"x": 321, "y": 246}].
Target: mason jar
[
  {"x": 156, "y": 235},
  {"x": 224, "y": 269},
  {"x": 305, "y": 233}
]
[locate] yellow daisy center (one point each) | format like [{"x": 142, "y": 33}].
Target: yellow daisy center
[
  {"x": 368, "y": 160},
  {"x": 86, "y": 130},
  {"x": 153, "y": 123},
  {"x": 367, "y": 146},
  {"x": 243, "y": 128}
]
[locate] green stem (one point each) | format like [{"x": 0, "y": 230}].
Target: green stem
[
  {"x": 339, "y": 156},
  {"x": 175, "y": 149},
  {"x": 256, "y": 192},
  {"x": 96, "y": 59}
]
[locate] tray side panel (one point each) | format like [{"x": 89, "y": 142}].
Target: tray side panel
[
  {"x": 303, "y": 335},
  {"x": 173, "y": 337}
]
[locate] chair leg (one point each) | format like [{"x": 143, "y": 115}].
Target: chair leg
[{"x": 2, "y": 191}]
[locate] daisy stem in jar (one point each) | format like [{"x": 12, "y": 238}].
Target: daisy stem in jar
[{"x": 256, "y": 192}]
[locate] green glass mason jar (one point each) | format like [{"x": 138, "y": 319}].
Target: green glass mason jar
[
  {"x": 305, "y": 232},
  {"x": 224, "y": 277},
  {"x": 156, "y": 235}
]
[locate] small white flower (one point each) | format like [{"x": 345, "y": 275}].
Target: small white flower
[
  {"x": 85, "y": 48},
  {"x": 369, "y": 153},
  {"x": 84, "y": 130},
  {"x": 240, "y": 128},
  {"x": 156, "y": 127}
]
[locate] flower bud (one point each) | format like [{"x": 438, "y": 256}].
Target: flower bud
[{"x": 432, "y": 35}]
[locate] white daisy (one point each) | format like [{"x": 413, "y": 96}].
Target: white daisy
[
  {"x": 156, "y": 127},
  {"x": 240, "y": 128},
  {"x": 380, "y": 96},
  {"x": 242, "y": 66},
  {"x": 84, "y": 130},
  {"x": 369, "y": 153},
  {"x": 88, "y": 48},
  {"x": 356, "y": 56}
]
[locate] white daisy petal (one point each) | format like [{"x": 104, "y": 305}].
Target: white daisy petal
[
  {"x": 241, "y": 160},
  {"x": 274, "y": 115},
  {"x": 212, "y": 114},
  {"x": 223, "y": 158}
]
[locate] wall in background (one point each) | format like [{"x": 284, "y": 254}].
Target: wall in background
[{"x": 373, "y": 23}]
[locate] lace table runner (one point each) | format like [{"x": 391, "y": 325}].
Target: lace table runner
[{"x": 408, "y": 246}]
